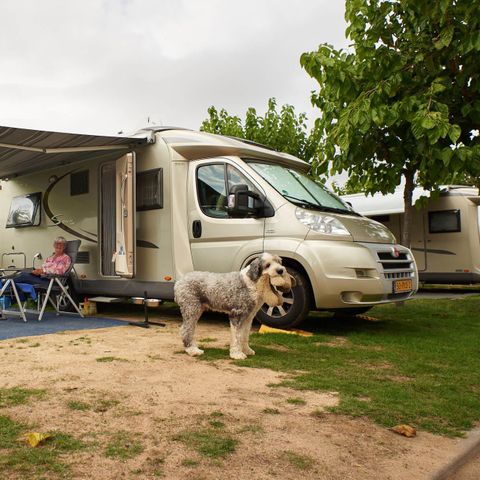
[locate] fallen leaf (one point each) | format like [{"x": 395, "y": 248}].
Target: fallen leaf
[
  {"x": 405, "y": 430},
  {"x": 35, "y": 438}
]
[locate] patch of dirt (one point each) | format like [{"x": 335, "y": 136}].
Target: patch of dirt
[{"x": 148, "y": 387}]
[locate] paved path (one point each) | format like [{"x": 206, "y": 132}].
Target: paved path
[
  {"x": 466, "y": 465},
  {"x": 446, "y": 293},
  {"x": 471, "y": 471}
]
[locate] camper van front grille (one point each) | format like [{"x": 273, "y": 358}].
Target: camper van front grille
[
  {"x": 396, "y": 275},
  {"x": 388, "y": 256},
  {"x": 395, "y": 264}
]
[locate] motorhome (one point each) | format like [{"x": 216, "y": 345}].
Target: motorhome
[
  {"x": 445, "y": 231},
  {"x": 152, "y": 206}
]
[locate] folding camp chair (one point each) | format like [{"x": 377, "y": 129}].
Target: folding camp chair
[{"x": 57, "y": 290}]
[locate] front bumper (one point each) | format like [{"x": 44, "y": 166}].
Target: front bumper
[{"x": 349, "y": 274}]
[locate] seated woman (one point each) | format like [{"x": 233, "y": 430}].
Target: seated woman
[{"x": 57, "y": 264}]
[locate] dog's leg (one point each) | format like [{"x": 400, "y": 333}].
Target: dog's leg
[
  {"x": 245, "y": 335},
  {"x": 236, "y": 340},
  {"x": 190, "y": 314}
]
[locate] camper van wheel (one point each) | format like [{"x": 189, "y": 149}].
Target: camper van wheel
[{"x": 295, "y": 307}]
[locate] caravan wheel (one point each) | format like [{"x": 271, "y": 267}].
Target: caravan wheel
[{"x": 295, "y": 307}]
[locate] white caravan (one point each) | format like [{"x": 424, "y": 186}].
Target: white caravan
[
  {"x": 445, "y": 232},
  {"x": 151, "y": 207}
]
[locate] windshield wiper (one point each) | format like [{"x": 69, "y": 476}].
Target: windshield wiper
[
  {"x": 302, "y": 201},
  {"x": 316, "y": 206},
  {"x": 338, "y": 210}
]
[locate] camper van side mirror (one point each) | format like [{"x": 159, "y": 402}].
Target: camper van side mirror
[{"x": 242, "y": 202}]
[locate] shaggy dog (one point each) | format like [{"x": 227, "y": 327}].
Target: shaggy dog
[{"x": 239, "y": 294}]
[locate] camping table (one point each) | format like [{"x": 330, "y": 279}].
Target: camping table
[{"x": 9, "y": 282}]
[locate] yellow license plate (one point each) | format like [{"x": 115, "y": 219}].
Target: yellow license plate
[{"x": 402, "y": 286}]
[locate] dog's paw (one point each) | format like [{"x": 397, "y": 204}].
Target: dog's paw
[
  {"x": 248, "y": 351},
  {"x": 194, "y": 351},
  {"x": 238, "y": 355}
]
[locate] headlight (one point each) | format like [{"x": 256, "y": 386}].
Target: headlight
[{"x": 321, "y": 223}]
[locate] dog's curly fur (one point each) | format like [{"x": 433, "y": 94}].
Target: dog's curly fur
[{"x": 239, "y": 294}]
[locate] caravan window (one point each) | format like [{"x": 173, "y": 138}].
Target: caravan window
[
  {"x": 444, "y": 221},
  {"x": 149, "y": 189},
  {"x": 24, "y": 211}
]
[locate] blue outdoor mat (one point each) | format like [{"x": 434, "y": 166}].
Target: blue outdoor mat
[{"x": 14, "y": 327}]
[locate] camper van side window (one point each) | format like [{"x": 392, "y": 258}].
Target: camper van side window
[
  {"x": 212, "y": 182},
  {"x": 149, "y": 189},
  {"x": 212, "y": 194},
  {"x": 444, "y": 221}
]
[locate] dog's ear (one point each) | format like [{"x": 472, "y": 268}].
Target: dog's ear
[
  {"x": 255, "y": 269},
  {"x": 292, "y": 279}
]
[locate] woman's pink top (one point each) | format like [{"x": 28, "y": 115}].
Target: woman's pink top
[{"x": 56, "y": 265}]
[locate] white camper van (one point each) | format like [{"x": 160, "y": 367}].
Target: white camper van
[
  {"x": 445, "y": 232},
  {"x": 151, "y": 207}
]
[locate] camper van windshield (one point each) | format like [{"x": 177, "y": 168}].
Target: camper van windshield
[{"x": 300, "y": 189}]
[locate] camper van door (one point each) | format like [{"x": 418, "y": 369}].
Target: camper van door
[
  {"x": 419, "y": 243},
  {"x": 219, "y": 243},
  {"x": 124, "y": 256}
]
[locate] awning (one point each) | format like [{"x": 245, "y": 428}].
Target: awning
[{"x": 25, "y": 151}]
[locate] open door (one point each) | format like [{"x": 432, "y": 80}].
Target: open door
[{"x": 124, "y": 255}]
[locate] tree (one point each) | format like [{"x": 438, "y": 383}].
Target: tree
[
  {"x": 283, "y": 131},
  {"x": 404, "y": 100}
]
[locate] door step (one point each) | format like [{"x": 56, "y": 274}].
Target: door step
[{"x": 106, "y": 299}]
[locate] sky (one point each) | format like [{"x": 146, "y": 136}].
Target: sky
[{"x": 105, "y": 66}]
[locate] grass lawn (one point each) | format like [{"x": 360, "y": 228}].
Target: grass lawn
[{"x": 418, "y": 364}]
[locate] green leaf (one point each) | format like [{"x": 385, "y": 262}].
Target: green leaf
[
  {"x": 446, "y": 155},
  {"x": 454, "y": 133},
  {"x": 445, "y": 37},
  {"x": 438, "y": 87},
  {"x": 376, "y": 117},
  {"x": 417, "y": 129},
  {"x": 428, "y": 122},
  {"x": 466, "y": 109},
  {"x": 476, "y": 41}
]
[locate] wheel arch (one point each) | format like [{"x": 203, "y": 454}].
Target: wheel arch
[{"x": 296, "y": 265}]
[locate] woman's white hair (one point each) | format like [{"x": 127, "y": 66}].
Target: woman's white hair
[{"x": 60, "y": 240}]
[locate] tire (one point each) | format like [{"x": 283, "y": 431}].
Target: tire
[
  {"x": 350, "y": 312},
  {"x": 295, "y": 307}
]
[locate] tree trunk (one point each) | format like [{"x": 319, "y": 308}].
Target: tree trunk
[{"x": 408, "y": 208}]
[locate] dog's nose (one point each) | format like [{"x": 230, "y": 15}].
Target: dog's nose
[{"x": 280, "y": 271}]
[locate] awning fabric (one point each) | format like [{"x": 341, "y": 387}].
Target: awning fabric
[{"x": 25, "y": 151}]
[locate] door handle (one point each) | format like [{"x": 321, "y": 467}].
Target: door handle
[{"x": 197, "y": 229}]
